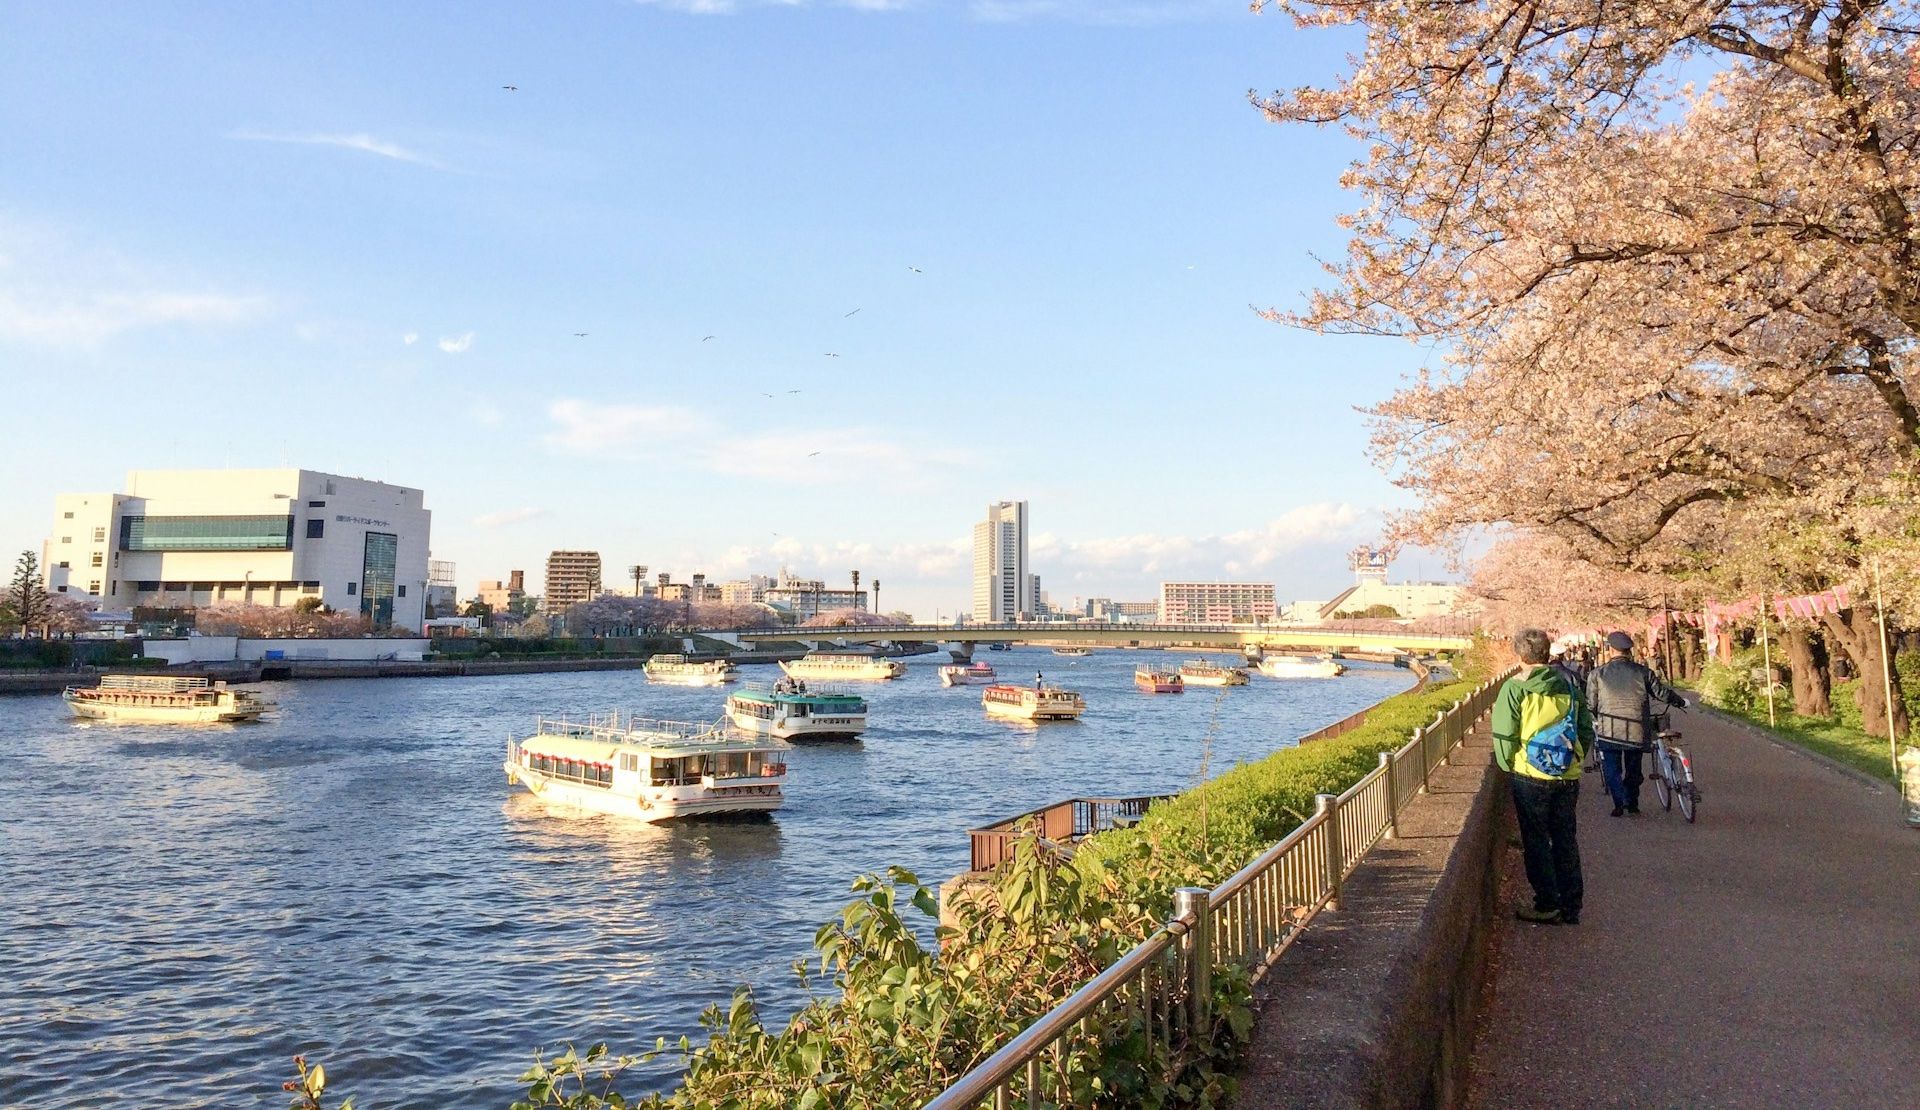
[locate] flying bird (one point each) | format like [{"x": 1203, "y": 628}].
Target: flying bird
[
  {"x": 830, "y": 354},
  {"x": 511, "y": 88},
  {"x": 849, "y": 314},
  {"x": 579, "y": 335},
  {"x": 916, "y": 269},
  {"x": 768, "y": 396},
  {"x": 811, "y": 454},
  {"x": 789, "y": 391},
  {"x": 704, "y": 338}
]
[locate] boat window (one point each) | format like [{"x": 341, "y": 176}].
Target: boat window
[{"x": 629, "y": 762}]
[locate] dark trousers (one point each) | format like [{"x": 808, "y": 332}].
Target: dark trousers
[
  {"x": 1546, "y": 811},
  {"x": 1621, "y": 768}
]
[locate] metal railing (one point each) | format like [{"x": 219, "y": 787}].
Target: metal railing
[{"x": 1249, "y": 920}]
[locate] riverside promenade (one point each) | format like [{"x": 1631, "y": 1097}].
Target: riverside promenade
[{"x": 1767, "y": 956}]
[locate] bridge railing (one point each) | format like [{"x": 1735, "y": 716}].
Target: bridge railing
[{"x": 1249, "y": 920}]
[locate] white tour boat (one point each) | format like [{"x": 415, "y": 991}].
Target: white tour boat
[
  {"x": 653, "y": 770},
  {"x": 163, "y": 700},
  {"x": 971, "y": 674},
  {"x": 844, "y": 666},
  {"x": 1300, "y": 666},
  {"x": 1075, "y": 651},
  {"x": 680, "y": 670},
  {"x": 792, "y": 709},
  {"x": 1200, "y": 672},
  {"x": 1032, "y": 703}
]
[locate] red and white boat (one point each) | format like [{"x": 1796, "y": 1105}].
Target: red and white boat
[
  {"x": 971, "y": 674},
  {"x": 1158, "y": 680}
]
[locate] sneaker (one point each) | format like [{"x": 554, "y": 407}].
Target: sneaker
[
  {"x": 1617, "y": 811},
  {"x": 1538, "y": 917},
  {"x": 1635, "y": 810}
]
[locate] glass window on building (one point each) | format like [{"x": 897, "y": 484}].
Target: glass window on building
[
  {"x": 316, "y": 528},
  {"x": 206, "y": 533},
  {"x": 376, "y": 577},
  {"x": 99, "y": 535}
]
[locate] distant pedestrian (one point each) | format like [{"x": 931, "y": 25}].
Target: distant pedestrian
[
  {"x": 1541, "y": 731},
  {"x": 1625, "y": 696},
  {"x": 1568, "y": 666}
]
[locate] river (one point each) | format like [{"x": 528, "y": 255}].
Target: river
[{"x": 183, "y": 910}]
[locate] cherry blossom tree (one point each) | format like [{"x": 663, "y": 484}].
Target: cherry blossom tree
[
  {"x": 846, "y": 618},
  {"x": 1665, "y": 313}
]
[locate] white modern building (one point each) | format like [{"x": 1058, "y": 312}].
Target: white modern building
[
  {"x": 1216, "y": 602},
  {"x": 1371, "y": 590},
  {"x": 1003, "y": 588},
  {"x": 187, "y": 538}
]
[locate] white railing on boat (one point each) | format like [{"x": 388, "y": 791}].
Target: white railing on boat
[
  {"x": 813, "y": 689},
  {"x": 620, "y": 728}
]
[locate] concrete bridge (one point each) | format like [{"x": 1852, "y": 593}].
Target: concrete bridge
[{"x": 1241, "y": 637}]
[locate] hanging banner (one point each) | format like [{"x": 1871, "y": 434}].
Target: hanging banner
[{"x": 1810, "y": 606}]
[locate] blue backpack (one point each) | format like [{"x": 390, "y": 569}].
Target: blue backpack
[{"x": 1555, "y": 748}]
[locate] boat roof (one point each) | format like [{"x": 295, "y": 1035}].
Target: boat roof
[{"x": 599, "y": 739}]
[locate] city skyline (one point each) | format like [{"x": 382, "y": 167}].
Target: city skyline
[{"x": 385, "y": 269}]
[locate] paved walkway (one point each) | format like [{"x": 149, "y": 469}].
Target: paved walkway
[{"x": 1767, "y": 956}]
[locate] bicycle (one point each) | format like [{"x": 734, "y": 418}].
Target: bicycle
[{"x": 1672, "y": 774}]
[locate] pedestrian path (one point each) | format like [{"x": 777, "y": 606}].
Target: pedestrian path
[{"x": 1767, "y": 956}]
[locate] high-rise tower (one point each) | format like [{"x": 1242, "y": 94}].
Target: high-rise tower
[{"x": 1002, "y": 586}]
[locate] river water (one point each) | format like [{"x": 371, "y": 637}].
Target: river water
[{"x": 183, "y": 910}]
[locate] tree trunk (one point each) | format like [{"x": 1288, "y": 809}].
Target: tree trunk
[
  {"x": 1857, "y": 632},
  {"x": 1807, "y": 663}
]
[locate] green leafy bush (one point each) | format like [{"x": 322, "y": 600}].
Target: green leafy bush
[{"x": 1730, "y": 686}]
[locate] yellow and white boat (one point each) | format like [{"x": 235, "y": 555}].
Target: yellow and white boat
[
  {"x": 1032, "y": 703},
  {"x": 652, "y": 770},
  {"x": 163, "y": 700},
  {"x": 1199, "y": 672},
  {"x": 681, "y": 671},
  {"x": 843, "y": 666}
]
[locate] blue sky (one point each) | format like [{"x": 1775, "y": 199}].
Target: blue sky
[{"x": 325, "y": 236}]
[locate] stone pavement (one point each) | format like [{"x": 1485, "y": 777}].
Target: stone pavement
[{"x": 1767, "y": 956}]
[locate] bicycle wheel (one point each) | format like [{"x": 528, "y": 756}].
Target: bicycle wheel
[
  {"x": 1663, "y": 777},
  {"x": 1683, "y": 787}
]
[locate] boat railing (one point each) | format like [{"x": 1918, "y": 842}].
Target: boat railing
[
  {"x": 1060, "y": 823},
  {"x": 813, "y": 688},
  {"x": 154, "y": 683},
  {"x": 623, "y": 728}
]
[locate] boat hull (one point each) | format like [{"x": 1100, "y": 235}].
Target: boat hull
[
  {"x": 566, "y": 793},
  {"x": 1158, "y": 686},
  {"x": 800, "y": 730},
  {"x": 163, "y": 714},
  {"x": 1021, "y": 713},
  {"x": 954, "y": 677}
]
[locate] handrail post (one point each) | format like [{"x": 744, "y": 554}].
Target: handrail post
[
  {"x": 1327, "y": 807},
  {"x": 1198, "y": 946},
  {"x": 1420, "y": 734},
  {"x": 1393, "y": 796}
]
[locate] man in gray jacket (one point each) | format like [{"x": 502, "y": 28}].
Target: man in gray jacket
[{"x": 1624, "y": 696}]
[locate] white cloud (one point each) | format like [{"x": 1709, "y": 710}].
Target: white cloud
[
  {"x": 508, "y": 516},
  {"x": 456, "y": 344},
  {"x": 360, "y": 141},
  {"x": 623, "y": 431},
  {"x": 59, "y": 289},
  {"x": 410, "y": 338},
  {"x": 1254, "y": 552}
]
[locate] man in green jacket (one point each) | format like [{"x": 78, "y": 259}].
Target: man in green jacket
[{"x": 1532, "y": 707}]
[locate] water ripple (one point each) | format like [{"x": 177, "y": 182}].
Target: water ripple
[{"x": 185, "y": 911}]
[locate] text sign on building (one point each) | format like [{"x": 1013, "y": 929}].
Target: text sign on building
[{"x": 346, "y": 519}]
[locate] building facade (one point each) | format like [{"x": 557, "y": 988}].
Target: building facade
[
  {"x": 443, "y": 591},
  {"x": 179, "y": 539},
  {"x": 1372, "y": 591},
  {"x": 1216, "y": 602},
  {"x": 499, "y": 596},
  {"x": 1003, "y": 588},
  {"x": 751, "y": 590},
  {"x": 572, "y": 577}
]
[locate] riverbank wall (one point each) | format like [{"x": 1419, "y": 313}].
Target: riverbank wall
[{"x": 1381, "y": 996}]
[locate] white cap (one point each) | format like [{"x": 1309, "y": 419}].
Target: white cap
[{"x": 1557, "y": 649}]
